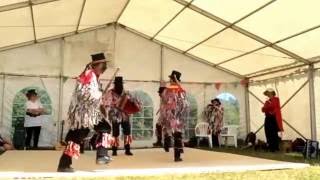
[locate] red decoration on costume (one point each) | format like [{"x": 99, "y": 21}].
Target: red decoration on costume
[
  {"x": 115, "y": 142},
  {"x": 218, "y": 85},
  {"x": 272, "y": 106},
  {"x": 128, "y": 140},
  {"x": 72, "y": 150},
  {"x": 106, "y": 141},
  {"x": 85, "y": 77}
]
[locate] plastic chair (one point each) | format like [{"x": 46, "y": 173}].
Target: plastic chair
[
  {"x": 230, "y": 131},
  {"x": 201, "y": 131}
]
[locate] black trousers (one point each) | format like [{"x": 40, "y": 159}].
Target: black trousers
[
  {"x": 215, "y": 140},
  {"x": 125, "y": 125},
  {"x": 271, "y": 131},
  {"x": 33, "y": 132}
]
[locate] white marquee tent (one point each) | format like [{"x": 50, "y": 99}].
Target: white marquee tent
[{"x": 218, "y": 45}]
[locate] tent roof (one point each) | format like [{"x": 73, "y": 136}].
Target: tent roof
[{"x": 246, "y": 37}]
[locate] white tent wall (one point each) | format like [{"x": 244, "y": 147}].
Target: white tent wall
[
  {"x": 13, "y": 88},
  {"x": 78, "y": 48},
  {"x": 296, "y": 112},
  {"x": 193, "y": 70},
  {"x": 37, "y": 59},
  {"x": 140, "y": 60}
]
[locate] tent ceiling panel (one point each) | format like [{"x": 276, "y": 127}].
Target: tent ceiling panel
[
  {"x": 58, "y": 17},
  {"x": 305, "y": 45},
  {"x": 283, "y": 18},
  {"x": 149, "y": 16},
  {"x": 188, "y": 29},
  {"x": 263, "y": 59},
  {"x": 9, "y": 2},
  {"x": 15, "y": 27},
  {"x": 98, "y": 12},
  {"x": 230, "y": 10},
  {"x": 226, "y": 45}
]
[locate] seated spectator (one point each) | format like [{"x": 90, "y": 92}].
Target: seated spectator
[{"x": 5, "y": 145}]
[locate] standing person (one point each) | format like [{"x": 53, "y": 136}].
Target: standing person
[
  {"x": 158, "y": 132},
  {"x": 216, "y": 122},
  {"x": 84, "y": 113},
  {"x": 119, "y": 104},
  {"x": 174, "y": 112},
  {"x": 33, "y": 121},
  {"x": 273, "y": 119}
]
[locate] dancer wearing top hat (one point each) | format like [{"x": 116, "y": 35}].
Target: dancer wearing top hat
[
  {"x": 174, "y": 111},
  {"x": 84, "y": 113},
  {"x": 119, "y": 105},
  {"x": 158, "y": 132}
]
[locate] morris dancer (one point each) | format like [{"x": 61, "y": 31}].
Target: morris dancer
[
  {"x": 119, "y": 105},
  {"x": 84, "y": 113},
  {"x": 158, "y": 132},
  {"x": 174, "y": 111}
]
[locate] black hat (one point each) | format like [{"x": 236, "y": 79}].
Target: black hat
[
  {"x": 98, "y": 57},
  {"x": 118, "y": 80},
  {"x": 31, "y": 92},
  {"x": 216, "y": 100},
  {"x": 175, "y": 73}
]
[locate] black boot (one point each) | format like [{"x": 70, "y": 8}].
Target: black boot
[
  {"x": 177, "y": 153},
  {"x": 158, "y": 143},
  {"x": 102, "y": 156},
  {"x": 167, "y": 143},
  {"x": 81, "y": 148},
  {"x": 114, "y": 151},
  {"x": 159, "y": 136},
  {"x": 127, "y": 150},
  {"x": 65, "y": 164}
]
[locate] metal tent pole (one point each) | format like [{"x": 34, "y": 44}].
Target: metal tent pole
[
  {"x": 247, "y": 106},
  {"x": 312, "y": 103}
]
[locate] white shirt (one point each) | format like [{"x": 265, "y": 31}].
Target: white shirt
[{"x": 33, "y": 121}]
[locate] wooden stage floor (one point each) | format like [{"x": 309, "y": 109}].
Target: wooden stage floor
[{"x": 144, "y": 162}]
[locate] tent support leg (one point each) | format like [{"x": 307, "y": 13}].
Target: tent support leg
[
  {"x": 312, "y": 103},
  {"x": 247, "y": 104}
]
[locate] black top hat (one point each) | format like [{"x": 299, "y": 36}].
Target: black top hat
[
  {"x": 98, "y": 57},
  {"x": 216, "y": 100},
  {"x": 118, "y": 80},
  {"x": 175, "y": 73},
  {"x": 31, "y": 92}
]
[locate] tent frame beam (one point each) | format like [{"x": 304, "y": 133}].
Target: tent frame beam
[
  {"x": 245, "y": 32},
  {"x": 272, "y": 44},
  {"x": 33, "y": 23},
  {"x": 229, "y": 26},
  {"x": 122, "y": 11},
  {"x": 80, "y": 16},
  {"x": 173, "y": 18},
  {"x": 23, "y": 5},
  {"x": 187, "y": 54}
]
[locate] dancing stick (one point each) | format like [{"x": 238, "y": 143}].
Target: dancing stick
[{"x": 109, "y": 83}]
